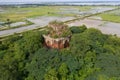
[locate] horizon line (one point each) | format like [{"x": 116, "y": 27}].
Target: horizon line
[{"x": 58, "y": 1}]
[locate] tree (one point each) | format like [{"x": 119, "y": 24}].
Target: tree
[
  {"x": 63, "y": 71},
  {"x": 78, "y": 29},
  {"x": 51, "y": 75},
  {"x": 8, "y": 22}
]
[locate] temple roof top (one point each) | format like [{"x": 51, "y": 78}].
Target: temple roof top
[{"x": 58, "y": 29}]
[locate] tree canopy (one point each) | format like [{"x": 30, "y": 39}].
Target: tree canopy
[{"x": 91, "y": 56}]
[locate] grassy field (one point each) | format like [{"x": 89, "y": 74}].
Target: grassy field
[
  {"x": 113, "y": 16},
  {"x": 21, "y": 13},
  {"x": 18, "y": 14}
]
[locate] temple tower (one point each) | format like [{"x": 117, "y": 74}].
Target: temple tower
[{"x": 58, "y": 36}]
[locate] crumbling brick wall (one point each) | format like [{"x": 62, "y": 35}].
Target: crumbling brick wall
[{"x": 57, "y": 43}]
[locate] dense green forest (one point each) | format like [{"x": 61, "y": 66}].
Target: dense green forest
[{"x": 90, "y": 56}]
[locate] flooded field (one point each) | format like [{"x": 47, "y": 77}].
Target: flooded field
[
  {"x": 105, "y": 26},
  {"x": 17, "y": 24},
  {"x": 44, "y": 20},
  {"x": 21, "y": 13},
  {"x": 1, "y": 10},
  {"x": 84, "y": 11}
]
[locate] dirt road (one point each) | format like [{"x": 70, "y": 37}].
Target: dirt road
[{"x": 106, "y": 27}]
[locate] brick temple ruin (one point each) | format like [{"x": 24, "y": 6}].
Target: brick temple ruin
[{"x": 59, "y": 42}]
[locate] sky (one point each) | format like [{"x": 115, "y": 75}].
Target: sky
[{"x": 50, "y": 0}]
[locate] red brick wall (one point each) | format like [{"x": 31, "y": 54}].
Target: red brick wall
[{"x": 58, "y": 45}]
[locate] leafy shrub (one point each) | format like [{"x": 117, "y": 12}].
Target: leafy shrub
[{"x": 78, "y": 29}]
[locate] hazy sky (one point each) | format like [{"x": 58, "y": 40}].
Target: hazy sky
[{"x": 49, "y": 0}]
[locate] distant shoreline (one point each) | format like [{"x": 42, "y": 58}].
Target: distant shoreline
[{"x": 82, "y": 3}]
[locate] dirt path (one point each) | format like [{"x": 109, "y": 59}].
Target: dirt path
[
  {"x": 17, "y": 30},
  {"x": 104, "y": 26}
]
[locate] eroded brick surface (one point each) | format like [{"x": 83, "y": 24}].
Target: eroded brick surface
[{"x": 58, "y": 43}]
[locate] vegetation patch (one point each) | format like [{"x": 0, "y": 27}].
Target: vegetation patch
[
  {"x": 21, "y": 13},
  {"x": 9, "y": 25},
  {"x": 91, "y": 56},
  {"x": 112, "y": 16},
  {"x": 58, "y": 30}
]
